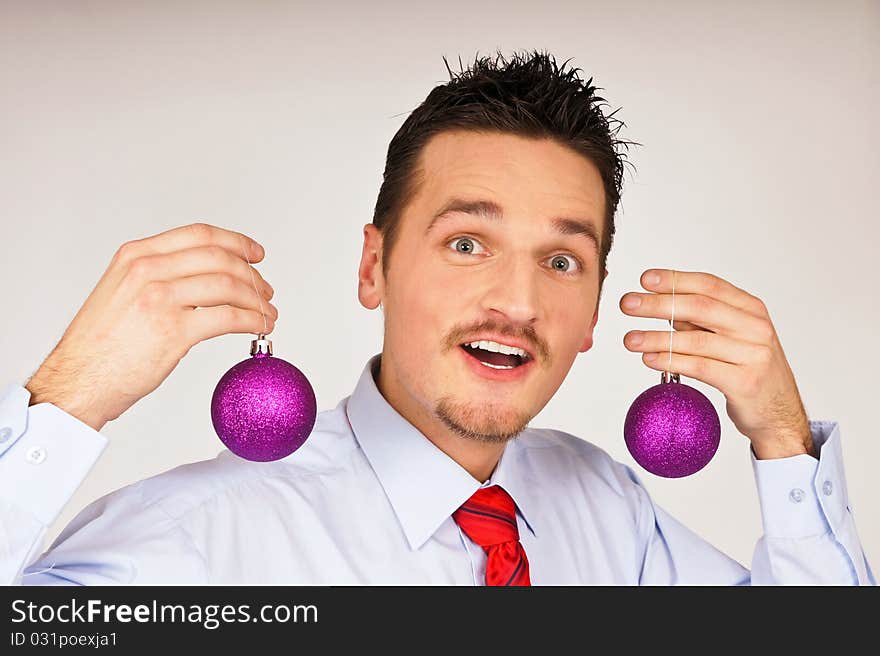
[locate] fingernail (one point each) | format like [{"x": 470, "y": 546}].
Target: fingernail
[
  {"x": 652, "y": 279},
  {"x": 650, "y": 357},
  {"x": 631, "y": 302},
  {"x": 636, "y": 339},
  {"x": 259, "y": 250}
]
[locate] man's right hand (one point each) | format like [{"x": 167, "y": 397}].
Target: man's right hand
[{"x": 159, "y": 297}]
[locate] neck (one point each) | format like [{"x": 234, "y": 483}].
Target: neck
[{"x": 478, "y": 458}]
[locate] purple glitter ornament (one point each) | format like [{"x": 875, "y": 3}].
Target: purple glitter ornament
[
  {"x": 263, "y": 408},
  {"x": 672, "y": 429}
]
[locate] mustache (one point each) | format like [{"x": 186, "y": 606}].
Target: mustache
[{"x": 528, "y": 336}]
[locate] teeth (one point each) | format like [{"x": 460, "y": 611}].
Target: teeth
[
  {"x": 499, "y": 348},
  {"x": 495, "y": 366}
]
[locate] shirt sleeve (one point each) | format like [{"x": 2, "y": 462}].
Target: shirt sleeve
[
  {"x": 45, "y": 453},
  {"x": 809, "y": 532}
]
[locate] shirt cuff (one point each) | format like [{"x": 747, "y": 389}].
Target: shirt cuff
[
  {"x": 801, "y": 496},
  {"x": 45, "y": 453}
]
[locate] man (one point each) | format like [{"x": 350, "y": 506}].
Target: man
[{"x": 487, "y": 253}]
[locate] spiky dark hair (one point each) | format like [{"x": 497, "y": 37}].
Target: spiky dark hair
[{"x": 527, "y": 95}]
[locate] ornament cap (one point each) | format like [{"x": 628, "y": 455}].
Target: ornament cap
[
  {"x": 674, "y": 377},
  {"x": 261, "y": 345}
]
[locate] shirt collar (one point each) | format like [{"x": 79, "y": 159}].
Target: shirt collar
[{"x": 424, "y": 485}]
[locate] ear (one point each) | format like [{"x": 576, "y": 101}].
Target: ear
[
  {"x": 371, "y": 283},
  {"x": 588, "y": 340}
]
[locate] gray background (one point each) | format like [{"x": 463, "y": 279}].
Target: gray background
[{"x": 760, "y": 164}]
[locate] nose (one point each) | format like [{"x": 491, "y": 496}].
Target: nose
[{"x": 513, "y": 291}]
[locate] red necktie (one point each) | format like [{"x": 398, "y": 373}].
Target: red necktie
[{"x": 489, "y": 519}]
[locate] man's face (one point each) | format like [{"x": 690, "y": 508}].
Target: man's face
[{"x": 516, "y": 277}]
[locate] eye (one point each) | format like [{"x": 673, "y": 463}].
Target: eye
[
  {"x": 558, "y": 261},
  {"x": 465, "y": 240}
]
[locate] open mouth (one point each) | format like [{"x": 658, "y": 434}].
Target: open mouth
[{"x": 494, "y": 359}]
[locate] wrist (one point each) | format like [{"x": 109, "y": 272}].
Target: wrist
[
  {"x": 784, "y": 446},
  {"x": 43, "y": 391}
]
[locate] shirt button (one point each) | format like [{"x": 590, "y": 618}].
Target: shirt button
[
  {"x": 35, "y": 455},
  {"x": 796, "y": 495},
  {"x": 5, "y": 434},
  {"x": 827, "y": 488}
]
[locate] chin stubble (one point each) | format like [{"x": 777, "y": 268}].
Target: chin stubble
[{"x": 462, "y": 418}]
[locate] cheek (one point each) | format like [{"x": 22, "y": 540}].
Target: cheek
[
  {"x": 432, "y": 285},
  {"x": 420, "y": 309},
  {"x": 570, "y": 324}
]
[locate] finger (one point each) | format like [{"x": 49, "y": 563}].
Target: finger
[
  {"x": 705, "y": 284},
  {"x": 687, "y": 325},
  {"x": 720, "y": 375},
  {"x": 207, "y": 322},
  {"x": 694, "y": 342},
  {"x": 196, "y": 261},
  {"x": 715, "y": 315},
  {"x": 210, "y": 289},
  {"x": 191, "y": 236}
]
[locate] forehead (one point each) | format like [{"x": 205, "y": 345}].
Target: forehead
[{"x": 538, "y": 176}]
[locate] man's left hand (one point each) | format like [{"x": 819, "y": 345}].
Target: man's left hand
[{"x": 724, "y": 337}]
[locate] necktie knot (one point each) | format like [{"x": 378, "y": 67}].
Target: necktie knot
[{"x": 489, "y": 519}]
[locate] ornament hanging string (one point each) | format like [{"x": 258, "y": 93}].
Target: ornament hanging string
[
  {"x": 671, "y": 322},
  {"x": 254, "y": 281},
  {"x": 668, "y": 375}
]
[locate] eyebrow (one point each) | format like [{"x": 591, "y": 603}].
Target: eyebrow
[{"x": 491, "y": 211}]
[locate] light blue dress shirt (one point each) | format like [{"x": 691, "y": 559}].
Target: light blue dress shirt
[{"x": 368, "y": 500}]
